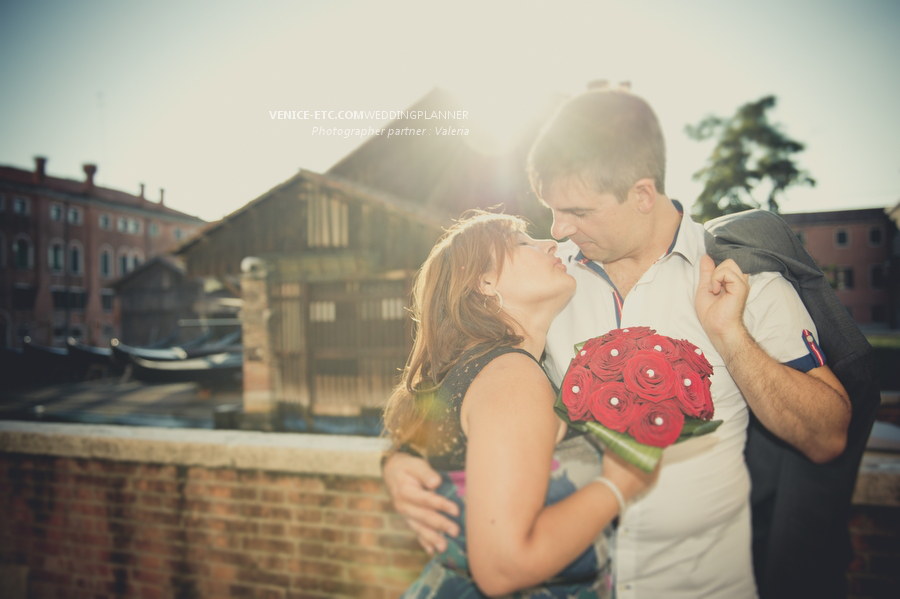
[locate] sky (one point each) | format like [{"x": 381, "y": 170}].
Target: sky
[{"x": 177, "y": 95}]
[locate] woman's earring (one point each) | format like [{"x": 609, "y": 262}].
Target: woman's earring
[{"x": 499, "y": 300}]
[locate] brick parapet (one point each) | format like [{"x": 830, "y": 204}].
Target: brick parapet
[
  {"x": 186, "y": 521},
  {"x": 105, "y": 511}
]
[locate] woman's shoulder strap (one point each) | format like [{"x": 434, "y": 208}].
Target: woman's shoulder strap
[{"x": 457, "y": 381}]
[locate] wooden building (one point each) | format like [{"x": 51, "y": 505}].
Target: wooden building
[
  {"x": 153, "y": 298},
  {"x": 328, "y": 259},
  {"x": 327, "y": 268},
  {"x": 451, "y": 174}
]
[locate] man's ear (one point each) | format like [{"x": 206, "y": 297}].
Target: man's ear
[{"x": 644, "y": 192}]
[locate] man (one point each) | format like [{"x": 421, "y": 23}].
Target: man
[{"x": 640, "y": 261}]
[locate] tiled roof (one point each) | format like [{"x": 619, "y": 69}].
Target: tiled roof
[
  {"x": 836, "y": 216},
  {"x": 28, "y": 179},
  {"x": 349, "y": 188}
]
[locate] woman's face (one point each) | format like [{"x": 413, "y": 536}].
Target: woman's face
[{"x": 533, "y": 276}]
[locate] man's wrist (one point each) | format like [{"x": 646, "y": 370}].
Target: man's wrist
[
  {"x": 394, "y": 450},
  {"x": 733, "y": 343}
]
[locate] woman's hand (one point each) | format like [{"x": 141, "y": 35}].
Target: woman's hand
[
  {"x": 410, "y": 482},
  {"x": 630, "y": 480}
]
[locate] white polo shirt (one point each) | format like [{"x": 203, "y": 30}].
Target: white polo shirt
[{"x": 690, "y": 535}]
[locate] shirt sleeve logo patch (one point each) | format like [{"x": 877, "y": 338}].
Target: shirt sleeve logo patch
[{"x": 814, "y": 350}]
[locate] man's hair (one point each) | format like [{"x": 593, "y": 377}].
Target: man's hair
[{"x": 607, "y": 139}]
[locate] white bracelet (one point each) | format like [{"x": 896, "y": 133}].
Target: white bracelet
[{"x": 615, "y": 491}]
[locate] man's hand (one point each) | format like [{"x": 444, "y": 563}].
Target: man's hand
[
  {"x": 410, "y": 481},
  {"x": 721, "y": 297},
  {"x": 810, "y": 410}
]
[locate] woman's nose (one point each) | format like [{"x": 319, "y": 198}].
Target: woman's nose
[{"x": 549, "y": 246}]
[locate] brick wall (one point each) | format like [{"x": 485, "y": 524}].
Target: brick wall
[
  {"x": 875, "y": 569},
  {"x": 104, "y": 511},
  {"x": 99, "y": 528}
]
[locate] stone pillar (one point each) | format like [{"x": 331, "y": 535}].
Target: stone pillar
[{"x": 259, "y": 397}]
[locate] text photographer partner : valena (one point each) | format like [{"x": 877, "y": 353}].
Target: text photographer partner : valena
[{"x": 370, "y": 131}]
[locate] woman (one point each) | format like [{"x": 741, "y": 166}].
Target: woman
[{"x": 475, "y": 402}]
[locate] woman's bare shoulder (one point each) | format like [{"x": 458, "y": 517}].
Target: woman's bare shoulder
[{"x": 510, "y": 375}]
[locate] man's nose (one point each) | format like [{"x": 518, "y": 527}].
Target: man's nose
[{"x": 560, "y": 228}]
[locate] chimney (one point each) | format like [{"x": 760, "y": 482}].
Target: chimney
[
  {"x": 89, "y": 171},
  {"x": 142, "y": 191},
  {"x": 161, "y": 193},
  {"x": 40, "y": 168},
  {"x": 598, "y": 84}
]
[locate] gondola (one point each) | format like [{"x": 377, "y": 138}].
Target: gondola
[
  {"x": 122, "y": 354},
  {"x": 44, "y": 363},
  {"x": 215, "y": 370},
  {"x": 85, "y": 358},
  {"x": 12, "y": 368},
  {"x": 167, "y": 341},
  {"x": 198, "y": 341},
  {"x": 230, "y": 343}
]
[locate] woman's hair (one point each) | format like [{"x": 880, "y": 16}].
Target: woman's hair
[{"x": 451, "y": 314}]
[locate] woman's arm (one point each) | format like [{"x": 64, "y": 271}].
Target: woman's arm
[{"x": 514, "y": 541}]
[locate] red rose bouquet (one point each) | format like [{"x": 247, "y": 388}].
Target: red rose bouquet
[{"x": 638, "y": 392}]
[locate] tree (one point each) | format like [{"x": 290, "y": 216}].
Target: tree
[{"x": 750, "y": 151}]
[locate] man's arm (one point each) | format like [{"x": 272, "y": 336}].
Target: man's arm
[
  {"x": 810, "y": 410},
  {"x": 411, "y": 482}
]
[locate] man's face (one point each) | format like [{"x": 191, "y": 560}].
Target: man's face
[{"x": 602, "y": 227}]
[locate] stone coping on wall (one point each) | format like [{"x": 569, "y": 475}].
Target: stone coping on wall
[
  {"x": 878, "y": 482},
  {"x": 247, "y": 450}
]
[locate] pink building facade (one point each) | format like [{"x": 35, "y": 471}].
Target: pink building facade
[
  {"x": 62, "y": 244},
  {"x": 856, "y": 249}
]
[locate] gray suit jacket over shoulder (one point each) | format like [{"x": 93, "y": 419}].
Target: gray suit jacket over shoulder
[{"x": 801, "y": 546}]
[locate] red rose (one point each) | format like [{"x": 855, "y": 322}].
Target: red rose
[
  {"x": 630, "y": 332},
  {"x": 649, "y": 376},
  {"x": 693, "y": 392},
  {"x": 657, "y": 424},
  {"x": 660, "y": 343},
  {"x": 581, "y": 360},
  {"x": 591, "y": 343},
  {"x": 612, "y": 405},
  {"x": 693, "y": 357},
  {"x": 583, "y": 356},
  {"x": 609, "y": 359},
  {"x": 576, "y": 390}
]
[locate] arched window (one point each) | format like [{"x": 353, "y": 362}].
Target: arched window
[
  {"x": 56, "y": 256},
  {"x": 21, "y": 206},
  {"x": 124, "y": 261},
  {"x": 76, "y": 258},
  {"x": 107, "y": 263},
  {"x": 23, "y": 258},
  {"x": 137, "y": 258}
]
